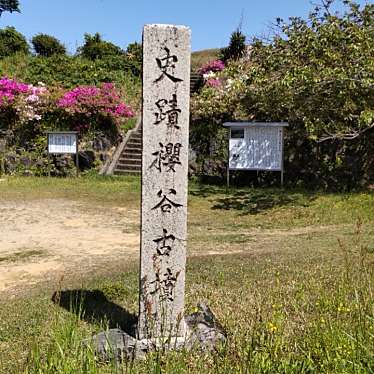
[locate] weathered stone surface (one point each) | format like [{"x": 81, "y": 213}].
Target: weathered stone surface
[
  {"x": 101, "y": 143},
  {"x": 166, "y": 92},
  {"x": 205, "y": 332},
  {"x": 202, "y": 332},
  {"x": 118, "y": 345}
]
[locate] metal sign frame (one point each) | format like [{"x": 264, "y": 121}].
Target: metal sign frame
[
  {"x": 3, "y": 146},
  {"x": 76, "y": 147},
  {"x": 244, "y": 125}
]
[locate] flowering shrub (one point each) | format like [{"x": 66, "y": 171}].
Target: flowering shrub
[
  {"x": 213, "y": 82},
  {"x": 21, "y": 101},
  {"x": 30, "y": 110},
  {"x": 92, "y": 100},
  {"x": 317, "y": 77},
  {"x": 9, "y": 89},
  {"x": 90, "y": 105},
  {"x": 220, "y": 99},
  {"x": 209, "y": 72},
  {"x": 212, "y": 66}
]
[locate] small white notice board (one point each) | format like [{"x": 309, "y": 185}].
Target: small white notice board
[
  {"x": 256, "y": 146},
  {"x": 63, "y": 142}
]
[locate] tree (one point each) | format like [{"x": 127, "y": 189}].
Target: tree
[
  {"x": 316, "y": 72},
  {"x": 95, "y": 47},
  {"x": 236, "y": 47},
  {"x": 318, "y": 75},
  {"x": 134, "y": 55},
  {"x": 319, "y": 72},
  {"x": 47, "y": 45},
  {"x": 9, "y": 6},
  {"x": 134, "y": 52},
  {"x": 12, "y": 42}
]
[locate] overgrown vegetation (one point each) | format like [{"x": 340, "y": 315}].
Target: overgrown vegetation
[
  {"x": 47, "y": 45},
  {"x": 12, "y": 42},
  {"x": 317, "y": 74}
]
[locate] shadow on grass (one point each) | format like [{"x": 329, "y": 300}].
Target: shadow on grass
[
  {"x": 251, "y": 200},
  {"x": 94, "y": 307}
]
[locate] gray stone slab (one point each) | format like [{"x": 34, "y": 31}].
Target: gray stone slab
[
  {"x": 203, "y": 332},
  {"x": 166, "y": 94}
]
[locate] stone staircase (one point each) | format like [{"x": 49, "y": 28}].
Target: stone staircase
[
  {"x": 130, "y": 160},
  {"x": 127, "y": 158}
]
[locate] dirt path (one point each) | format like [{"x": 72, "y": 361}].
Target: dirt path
[{"x": 47, "y": 239}]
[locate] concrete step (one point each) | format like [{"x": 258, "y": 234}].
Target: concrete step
[
  {"x": 127, "y": 172},
  {"x": 135, "y": 140},
  {"x": 134, "y": 143},
  {"x": 128, "y": 167},
  {"x": 137, "y": 135},
  {"x": 133, "y": 148},
  {"x": 130, "y": 161},
  {"x": 135, "y": 156},
  {"x": 134, "y": 153}
]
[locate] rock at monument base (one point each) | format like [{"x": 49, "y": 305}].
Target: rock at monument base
[
  {"x": 203, "y": 332},
  {"x": 118, "y": 345}
]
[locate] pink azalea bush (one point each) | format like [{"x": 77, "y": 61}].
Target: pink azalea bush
[
  {"x": 82, "y": 108},
  {"x": 95, "y": 107},
  {"x": 213, "y": 82},
  {"x": 22, "y": 102},
  {"x": 212, "y": 66},
  {"x": 9, "y": 90},
  {"x": 210, "y": 72},
  {"x": 91, "y": 100}
]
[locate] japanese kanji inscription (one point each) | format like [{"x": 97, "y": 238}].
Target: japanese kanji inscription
[{"x": 166, "y": 93}]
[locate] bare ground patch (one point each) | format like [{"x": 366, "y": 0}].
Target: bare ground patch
[
  {"x": 47, "y": 240},
  {"x": 51, "y": 238}
]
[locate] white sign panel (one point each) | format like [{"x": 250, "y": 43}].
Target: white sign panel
[
  {"x": 62, "y": 143},
  {"x": 256, "y": 148}
]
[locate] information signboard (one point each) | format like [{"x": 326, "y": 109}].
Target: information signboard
[
  {"x": 62, "y": 142},
  {"x": 256, "y": 146}
]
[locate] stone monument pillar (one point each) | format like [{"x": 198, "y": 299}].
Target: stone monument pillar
[{"x": 166, "y": 94}]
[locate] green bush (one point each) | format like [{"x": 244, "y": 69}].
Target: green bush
[
  {"x": 72, "y": 71},
  {"x": 12, "y": 42},
  {"x": 317, "y": 74},
  {"x": 47, "y": 45},
  {"x": 95, "y": 47}
]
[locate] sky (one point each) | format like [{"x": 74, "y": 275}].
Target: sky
[{"x": 121, "y": 21}]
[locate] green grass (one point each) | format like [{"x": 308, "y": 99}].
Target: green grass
[
  {"x": 104, "y": 190},
  {"x": 22, "y": 255},
  {"x": 297, "y": 296}
]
